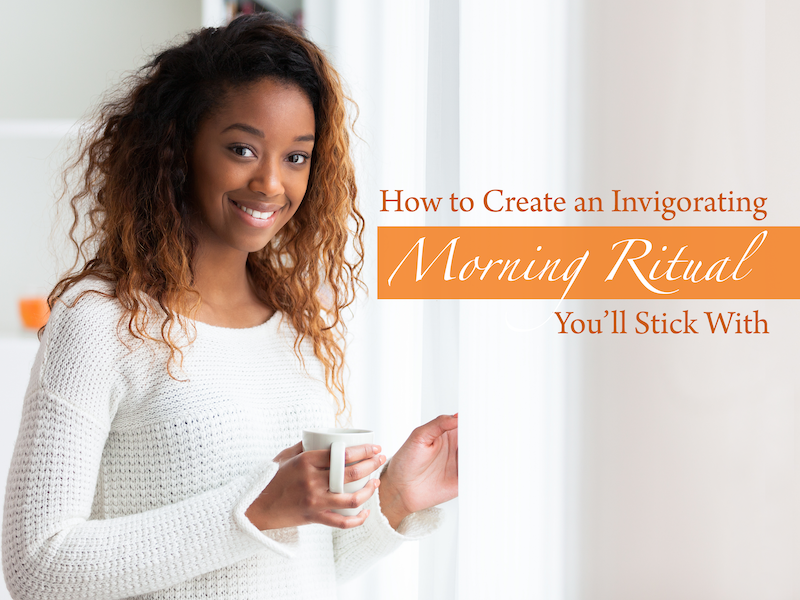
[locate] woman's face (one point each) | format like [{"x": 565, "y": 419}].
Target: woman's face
[{"x": 250, "y": 166}]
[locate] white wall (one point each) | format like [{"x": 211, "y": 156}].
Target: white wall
[
  {"x": 60, "y": 56},
  {"x": 56, "y": 60},
  {"x": 687, "y": 446}
]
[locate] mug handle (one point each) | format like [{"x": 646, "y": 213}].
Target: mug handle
[{"x": 336, "y": 482}]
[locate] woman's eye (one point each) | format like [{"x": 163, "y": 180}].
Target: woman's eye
[
  {"x": 243, "y": 151},
  {"x": 298, "y": 159}
]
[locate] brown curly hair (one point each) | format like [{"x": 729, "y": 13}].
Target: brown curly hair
[{"x": 132, "y": 208}]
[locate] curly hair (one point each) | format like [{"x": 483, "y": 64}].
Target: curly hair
[{"x": 131, "y": 208}]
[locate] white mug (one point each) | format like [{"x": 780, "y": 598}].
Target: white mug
[{"x": 337, "y": 440}]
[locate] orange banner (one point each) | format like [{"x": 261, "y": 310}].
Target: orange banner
[{"x": 588, "y": 262}]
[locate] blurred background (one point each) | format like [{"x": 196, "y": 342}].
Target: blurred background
[{"x": 592, "y": 467}]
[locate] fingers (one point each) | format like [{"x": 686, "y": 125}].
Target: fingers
[
  {"x": 357, "y": 453},
  {"x": 363, "y": 468},
  {"x": 333, "y": 519},
  {"x": 321, "y": 459},
  {"x": 288, "y": 453},
  {"x": 360, "y": 460},
  {"x": 355, "y": 499},
  {"x": 433, "y": 429},
  {"x": 348, "y": 501}
]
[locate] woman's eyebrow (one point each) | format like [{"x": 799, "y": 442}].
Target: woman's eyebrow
[
  {"x": 257, "y": 132},
  {"x": 245, "y": 128}
]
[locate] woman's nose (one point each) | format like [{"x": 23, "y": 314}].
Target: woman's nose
[{"x": 267, "y": 179}]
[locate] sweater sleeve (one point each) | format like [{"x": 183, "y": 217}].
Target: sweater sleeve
[
  {"x": 357, "y": 549},
  {"x": 52, "y": 547}
]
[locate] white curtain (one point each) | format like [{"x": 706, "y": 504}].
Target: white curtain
[
  {"x": 513, "y": 136},
  {"x": 380, "y": 48},
  {"x": 602, "y": 468},
  {"x": 454, "y": 97}
]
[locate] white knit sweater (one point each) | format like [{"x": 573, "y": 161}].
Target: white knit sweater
[{"x": 126, "y": 482}]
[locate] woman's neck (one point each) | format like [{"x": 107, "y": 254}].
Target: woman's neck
[{"x": 226, "y": 292}]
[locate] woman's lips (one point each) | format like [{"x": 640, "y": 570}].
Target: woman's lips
[{"x": 261, "y": 216}]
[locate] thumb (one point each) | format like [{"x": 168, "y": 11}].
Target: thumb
[
  {"x": 433, "y": 429},
  {"x": 288, "y": 453}
]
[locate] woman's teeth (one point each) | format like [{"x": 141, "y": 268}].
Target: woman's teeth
[{"x": 254, "y": 213}]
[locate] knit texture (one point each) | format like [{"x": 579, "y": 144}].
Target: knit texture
[{"x": 128, "y": 483}]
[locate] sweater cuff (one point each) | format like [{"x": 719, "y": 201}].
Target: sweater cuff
[
  {"x": 358, "y": 548},
  {"x": 281, "y": 541},
  {"x": 415, "y": 526}
]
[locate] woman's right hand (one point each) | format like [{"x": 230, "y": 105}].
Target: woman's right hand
[{"x": 299, "y": 494}]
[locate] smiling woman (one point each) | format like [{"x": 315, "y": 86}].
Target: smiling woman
[
  {"x": 159, "y": 450},
  {"x": 260, "y": 168},
  {"x": 251, "y": 163}
]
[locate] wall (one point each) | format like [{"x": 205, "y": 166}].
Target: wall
[
  {"x": 688, "y": 477},
  {"x": 58, "y": 58}
]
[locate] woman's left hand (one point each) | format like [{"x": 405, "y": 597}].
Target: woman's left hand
[{"x": 424, "y": 472}]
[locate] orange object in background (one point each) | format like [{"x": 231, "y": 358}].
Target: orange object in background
[{"x": 34, "y": 312}]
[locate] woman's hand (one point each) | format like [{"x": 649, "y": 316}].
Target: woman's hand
[
  {"x": 299, "y": 494},
  {"x": 424, "y": 472}
]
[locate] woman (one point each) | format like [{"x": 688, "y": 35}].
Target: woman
[{"x": 158, "y": 453}]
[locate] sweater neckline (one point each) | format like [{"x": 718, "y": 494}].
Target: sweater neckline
[{"x": 218, "y": 332}]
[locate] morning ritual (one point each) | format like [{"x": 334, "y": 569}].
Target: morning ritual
[{"x": 633, "y": 261}]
